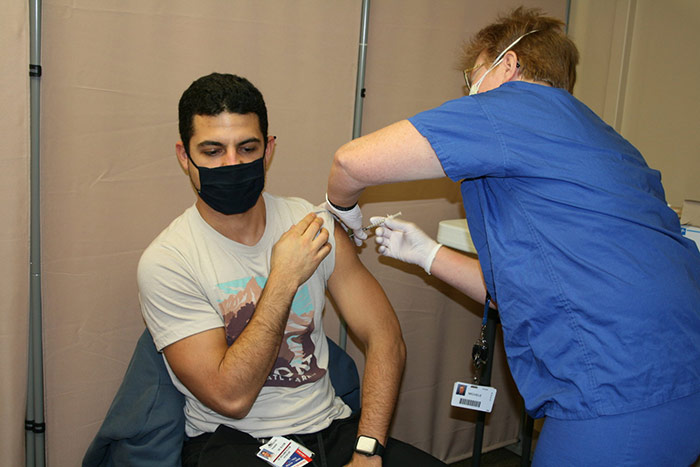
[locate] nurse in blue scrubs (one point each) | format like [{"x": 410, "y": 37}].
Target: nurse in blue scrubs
[{"x": 597, "y": 290}]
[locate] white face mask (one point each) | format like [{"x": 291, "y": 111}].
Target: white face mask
[{"x": 474, "y": 89}]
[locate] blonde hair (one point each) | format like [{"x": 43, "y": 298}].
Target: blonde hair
[{"x": 547, "y": 55}]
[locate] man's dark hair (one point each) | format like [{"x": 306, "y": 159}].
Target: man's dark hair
[{"x": 216, "y": 93}]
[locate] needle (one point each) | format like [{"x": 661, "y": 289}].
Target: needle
[{"x": 376, "y": 224}]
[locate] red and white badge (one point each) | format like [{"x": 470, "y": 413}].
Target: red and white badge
[{"x": 282, "y": 452}]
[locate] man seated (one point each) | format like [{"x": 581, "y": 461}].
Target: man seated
[{"x": 233, "y": 292}]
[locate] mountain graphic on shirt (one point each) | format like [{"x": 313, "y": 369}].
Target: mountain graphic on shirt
[
  {"x": 238, "y": 308},
  {"x": 296, "y": 363}
]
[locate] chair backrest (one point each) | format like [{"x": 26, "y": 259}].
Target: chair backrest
[
  {"x": 145, "y": 425},
  {"x": 344, "y": 376}
]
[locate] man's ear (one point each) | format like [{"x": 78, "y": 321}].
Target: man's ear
[
  {"x": 182, "y": 156},
  {"x": 511, "y": 71},
  {"x": 269, "y": 149}
]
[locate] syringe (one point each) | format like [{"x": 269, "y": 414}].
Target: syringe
[{"x": 376, "y": 224}]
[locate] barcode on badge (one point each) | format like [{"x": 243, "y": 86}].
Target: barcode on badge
[{"x": 469, "y": 402}]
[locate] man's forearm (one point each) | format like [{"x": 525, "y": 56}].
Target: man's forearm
[
  {"x": 294, "y": 258},
  {"x": 380, "y": 387},
  {"x": 228, "y": 378},
  {"x": 250, "y": 359}
]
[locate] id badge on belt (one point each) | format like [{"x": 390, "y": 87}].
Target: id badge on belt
[{"x": 283, "y": 452}]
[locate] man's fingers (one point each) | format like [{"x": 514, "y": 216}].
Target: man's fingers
[
  {"x": 312, "y": 226},
  {"x": 304, "y": 224},
  {"x": 322, "y": 237},
  {"x": 302, "y": 248},
  {"x": 324, "y": 251}
]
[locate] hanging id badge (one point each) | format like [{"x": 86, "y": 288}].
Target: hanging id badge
[{"x": 472, "y": 395}]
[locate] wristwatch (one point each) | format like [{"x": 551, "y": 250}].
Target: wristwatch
[{"x": 368, "y": 446}]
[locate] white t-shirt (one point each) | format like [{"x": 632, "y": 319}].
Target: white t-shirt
[{"x": 192, "y": 279}]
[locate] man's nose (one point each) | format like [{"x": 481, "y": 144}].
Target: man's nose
[{"x": 231, "y": 158}]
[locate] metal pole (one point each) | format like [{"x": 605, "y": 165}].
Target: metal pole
[
  {"x": 357, "y": 118},
  {"x": 526, "y": 440},
  {"x": 37, "y": 458},
  {"x": 29, "y": 417},
  {"x": 361, "y": 62},
  {"x": 485, "y": 380}
]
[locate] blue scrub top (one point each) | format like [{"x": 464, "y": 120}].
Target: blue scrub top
[{"x": 598, "y": 291}]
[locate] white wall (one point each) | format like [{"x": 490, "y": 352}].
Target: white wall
[{"x": 639, "y": 71}]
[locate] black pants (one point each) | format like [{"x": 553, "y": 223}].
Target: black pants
[{"x": 332, "y": 447}]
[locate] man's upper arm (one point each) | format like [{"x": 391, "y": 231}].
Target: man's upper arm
[
  {"x": 195, "y": 361},
  {"x": 361, "y": 301},
  {"x": 369, "y": 315},
  {"x": 183, "y": 323},
  {"x": 172, "y": 303}
]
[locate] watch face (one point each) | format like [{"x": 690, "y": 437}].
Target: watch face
[{"x": 366, "y": 445}]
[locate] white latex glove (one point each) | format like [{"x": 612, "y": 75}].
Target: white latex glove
[
  {"x": 351, "y": 220},
  {"x": 406, "y": 242}
]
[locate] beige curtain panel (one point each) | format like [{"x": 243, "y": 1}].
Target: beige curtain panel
[
  {"x": 113, "y": 72},
  {"x": 14, "y": 236}
]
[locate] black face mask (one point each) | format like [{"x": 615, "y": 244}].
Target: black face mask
[{"x": 232, "y": 189}]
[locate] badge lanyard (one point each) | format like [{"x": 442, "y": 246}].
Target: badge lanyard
[
  {"x": 474, "y": 396},
  {"x": 480, "y": 351}
]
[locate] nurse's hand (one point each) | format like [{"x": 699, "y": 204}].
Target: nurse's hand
[
  {"x": 351, "y": 220},
  {"x": 406, "y": 242}
]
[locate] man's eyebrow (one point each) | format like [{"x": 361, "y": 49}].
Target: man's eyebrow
[
  {"x": 209, "y": 143},
  {"x": 249, "y": 140},
  {"x": 220, "y": 144}
]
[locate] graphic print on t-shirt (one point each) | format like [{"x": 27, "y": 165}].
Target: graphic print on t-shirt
[{"x": 296, "y": 363}]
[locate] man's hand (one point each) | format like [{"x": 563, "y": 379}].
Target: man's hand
[
  {"x": 300, "y": 250},
  {"x": 358, "y": 460}
]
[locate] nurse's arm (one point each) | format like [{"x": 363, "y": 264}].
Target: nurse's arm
[
  {"x": 396, "y": 153},
  {"x": 461, "y": 272}
]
